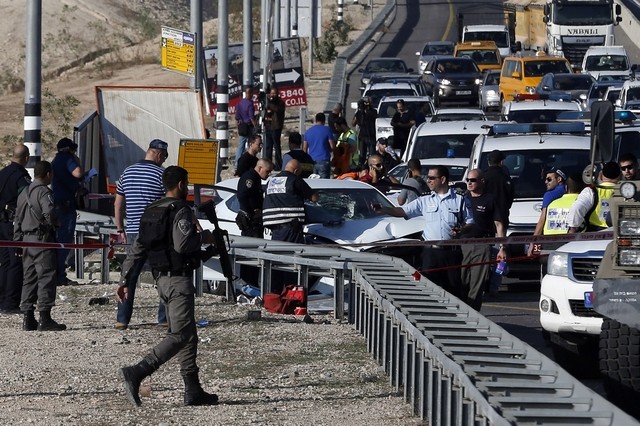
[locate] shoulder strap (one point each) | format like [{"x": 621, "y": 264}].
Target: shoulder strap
[{"x": 38, "y": 214}]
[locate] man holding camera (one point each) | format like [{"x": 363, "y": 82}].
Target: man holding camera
[{"x": 365, "y": 119}]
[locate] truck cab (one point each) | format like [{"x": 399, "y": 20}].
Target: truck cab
[{"x": 573, "y": 26}]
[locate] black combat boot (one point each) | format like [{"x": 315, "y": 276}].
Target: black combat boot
[
  {"x": 194, "y": 394},
  {"x": 29, "y": 322},
  {"x": 46, "y": 323},
  {"x": 133, "y": 376}
]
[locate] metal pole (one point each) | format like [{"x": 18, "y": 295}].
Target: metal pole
[
  {"x": 312, "y": 32},
  {"x": 196, "y": 28},
  {"x": 32, "y": 85},
  {"x": 276, "y": 19},
  {"x": 222, "y": 87},
  {"x": 340, "y": 10},
  {"x": 287, "y": 21},
  {"x": 263, "y": 40},
  {"x": 294, "y": 17},
  {"x": 247, "y": 47}
]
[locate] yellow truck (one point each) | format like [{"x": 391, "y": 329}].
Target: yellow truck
[
  {"x": 485, "y": 54},
  {"x": 530, "y": 31}
]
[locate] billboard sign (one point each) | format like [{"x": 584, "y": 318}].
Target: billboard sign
[
  {"x": 286, "y": 70},
  {"x": 178, "y": 51}
]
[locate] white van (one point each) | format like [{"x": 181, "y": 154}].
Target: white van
[
  {"x": 607, "y": 61},
  {"x": 496, "y": 33}
]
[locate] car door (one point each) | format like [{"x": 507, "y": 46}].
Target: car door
[{"x": 429, "y": 78}]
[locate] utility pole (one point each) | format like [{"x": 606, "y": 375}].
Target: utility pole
[
  {"x": 196, "y": 28},
  {"x": 247, "y": 45},
  {"x": 32, "y": 84},
  {"x": 222, "y": 87}
]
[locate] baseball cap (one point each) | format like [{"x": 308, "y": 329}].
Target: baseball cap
[
  {"x": 557, "y": 171},
  {"x": 66, "y": 143},
  {"x": 158, "y": 144},
  {"x": 383, "y": 141},
  {"x": 495, "y": 156}
]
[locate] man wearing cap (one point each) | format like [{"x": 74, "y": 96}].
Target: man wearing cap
[
  {"x": 389, "y": 157},
  {"x": 67, "y": 180},
  {"x": 139, "y": 185},
  {"x": 365, "y": 119},
  {"x": 591, "y": 207},
  {"x": 555, "y": 182}
]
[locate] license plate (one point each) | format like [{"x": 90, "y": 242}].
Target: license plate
[
  {"x": 463, "y": 92},
  {"x": 588, "y": 299}
]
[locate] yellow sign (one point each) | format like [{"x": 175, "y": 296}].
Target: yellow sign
[
  {"x": 200, "y": 159},
  {"x": 178, "y": 51}
]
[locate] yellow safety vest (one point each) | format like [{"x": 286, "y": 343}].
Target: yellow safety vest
[
  {"x": 598, "y": 217},
  {"x": 557, "y": 212}
]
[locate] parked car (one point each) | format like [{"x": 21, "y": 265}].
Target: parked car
[
  {"x": 377, "y": 91},
  {"x": 521, "y": 74},
  {"x": 433, "y": 50},
  {"x": 388, "y": 107},
  {"x": 382, "y": 65},
  {"x": 574, "y": 85},
  {"x": 458, "y": 114},
  {"x": 489, "y": 92},
  {"x": 453, "y": 79},
  {"x": 446, "y": 139}
]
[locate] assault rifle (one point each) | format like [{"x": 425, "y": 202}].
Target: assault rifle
[{"x": 221, "y": 242}]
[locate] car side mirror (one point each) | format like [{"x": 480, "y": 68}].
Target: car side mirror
[
  {"x": 618, "y": 103},
  {"x": 516, "y": 74}
]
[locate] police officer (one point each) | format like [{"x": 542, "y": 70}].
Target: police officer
[
  {"x": 591, "y": 207},
  {"x": 35, "y": 222},
  {"x": 283, "y": 210},
  {"x": 172, "y": 248},
  {"x": 558, "y": 211},
  {"x": 13, "y": 179},
  {"x": 250, "y": 197}
]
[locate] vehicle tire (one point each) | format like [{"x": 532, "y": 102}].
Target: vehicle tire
[
  {"x": 619, "y": 357},
  {"x": 216, "y": 287}
]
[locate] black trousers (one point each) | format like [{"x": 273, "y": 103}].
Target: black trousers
[
  {"x": 10, "y": 271},
  {"x": 449, "y": 259}
]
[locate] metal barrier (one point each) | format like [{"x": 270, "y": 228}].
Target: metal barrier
[{"x": 454, "y": 366}]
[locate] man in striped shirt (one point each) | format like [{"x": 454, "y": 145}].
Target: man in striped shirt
[{"x": 139, "y": 185}]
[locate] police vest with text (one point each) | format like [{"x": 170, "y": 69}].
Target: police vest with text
[
  {"x": 156, "y": 236},
  {"x": 557, "y": 212},
  {"x": 281, "y": 204},
  {"x": 596, "y": 220}
]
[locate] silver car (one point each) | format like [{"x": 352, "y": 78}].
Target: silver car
[
  {"x": 432, "y": 50},
  {"x": 489, "y": 93}
]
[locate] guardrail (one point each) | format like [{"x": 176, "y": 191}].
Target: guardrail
[{"x": 453, "y": 365}]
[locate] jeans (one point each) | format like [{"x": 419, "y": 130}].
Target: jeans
[
  {"x": 125, "y": 309},
  {"x": 271, "y": 143},
  {"x": 64, "y": 234},
  {"x": 242, "y": 147},
  {"x": 323, "y": 169}
]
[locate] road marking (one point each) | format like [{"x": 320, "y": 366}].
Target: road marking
[{"x": 445, "y": 37}]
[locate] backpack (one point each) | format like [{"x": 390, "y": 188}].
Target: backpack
[{"x": 155, "y": 233}]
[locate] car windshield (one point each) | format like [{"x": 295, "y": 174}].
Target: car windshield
[
  {"x": 481, "y": 57},
  {"x": 527, "y": 167},
  {"x": 627, "y": 142},
  {"x": 443, "y": 146},
  {"x": 339, "y": 204},
  {"x": 540, "y": 68},
  {"x": 583, "y": 14},
  {"x": 499, "y": 37},
  {"x": 613, "y": 95},
  {"x": 438, "y": 49},
  {"x": 386, "y": 66},
  {"x": 388, "y": 109},
  {"x": 493, "y": 79},
  {"x": 607, "y": 63},
  {"x": 455, "y": 172},
  {"x": 535, "y": 115},
  {"x": 575, "y": 82},
  {"x": 454, "y": 67},
  {"x": 633, "y": 94},
  {"x": 377, "y": 94}
]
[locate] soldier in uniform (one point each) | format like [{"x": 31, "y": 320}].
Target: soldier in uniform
[
  {"x": 13, "y": 179},
  {"x": 169, "y": 240},
  {"x": 250, "y": 197},
  {"x": 35, "y": 222}
]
